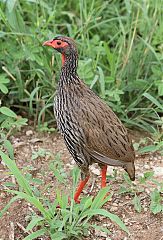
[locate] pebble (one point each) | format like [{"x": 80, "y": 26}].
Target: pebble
[
  {"x": 70, "y": 166},
  {"x": 158, "y": 171},
  {"x": 146, "y": 166},
  {"x": 3, "y": 195},
  {"x": 94, "y": 169},
  {"x": 147, "y": 191},
  {"x": 137, "y": 167},
  {"x": 73, "y": 161},
  {"x": 100, "y": 233},
  {"x": 127, "y": 197},
  {"x": 29, "y": 133},
  {"x": 115, "y": 204},
  {"x": 110, "y": 170},
  {"x": 106, "y": 224},
  {"x": 18, "y": 144},
  {"x": 160, "y": 158},
  {"x": 140, "y": 174},
  {"x": 151, "y": 158},
  {"x": 145, "y": 209},
  {"x": 114, "y": 209},
  {"x": 126, "y": 221}
]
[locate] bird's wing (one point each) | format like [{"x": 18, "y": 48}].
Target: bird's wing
[{"x": 106, "y": 138}]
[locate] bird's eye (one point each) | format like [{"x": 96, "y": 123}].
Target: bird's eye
[{"x": 58, "y": 43}]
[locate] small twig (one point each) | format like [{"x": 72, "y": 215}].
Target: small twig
[
  {"x": 11, "y": 235},
  {"x": 30, "y": 209},
  {"x": 8, "y": 73},
  {"x": 92, "y": 186},
  {"x": 9, "y": 132},
  {"x": 13, "y": 179},
  {"x": 132, "y": 40},
  {"x": 22, "y": 228}
]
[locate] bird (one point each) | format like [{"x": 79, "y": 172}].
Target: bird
[{"x": 91, "y": 130}]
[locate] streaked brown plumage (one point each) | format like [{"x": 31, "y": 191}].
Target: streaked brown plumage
[{"x": 91, "y": 130}]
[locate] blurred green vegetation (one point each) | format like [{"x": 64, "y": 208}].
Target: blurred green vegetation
[{"x": 121, "y": 56}]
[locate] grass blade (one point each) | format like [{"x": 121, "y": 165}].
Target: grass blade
[
  {"x": 8, "y": 112},
  {"x": 33, "y": 200},
  {"x": 16, "y": 172},
  {"x": 99, "y": 199},
  {"x": 109, "y": 215},
  {"x": 153, "y": 100},
  {"x": 8, "y": 205},
  {"x": 35, "y": 234},
  {"x": 35, "y": 220}
]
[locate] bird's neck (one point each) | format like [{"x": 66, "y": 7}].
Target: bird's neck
[{"x": 69, "y": 69}]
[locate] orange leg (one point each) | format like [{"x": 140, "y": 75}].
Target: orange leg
[
  {"x": 103, "y": 176},
  {"x": 80, "y": 188}
]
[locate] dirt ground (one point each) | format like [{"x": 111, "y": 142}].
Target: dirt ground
[{"x": 144, "y": 225}]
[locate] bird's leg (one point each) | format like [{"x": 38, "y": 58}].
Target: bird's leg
[
  {"x": 80, "y": 188},
  {"x": 103, "y": 176}
]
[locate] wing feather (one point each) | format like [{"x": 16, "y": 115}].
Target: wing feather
[{"x": 105, "y": 136}]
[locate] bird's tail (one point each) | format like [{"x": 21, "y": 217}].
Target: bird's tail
[{"x": 130, "y": 169}]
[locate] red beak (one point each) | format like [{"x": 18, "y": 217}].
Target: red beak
[{"x": 48, "y": 43}]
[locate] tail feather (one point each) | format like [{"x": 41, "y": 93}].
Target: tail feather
[{"x": 130, "y": 169}]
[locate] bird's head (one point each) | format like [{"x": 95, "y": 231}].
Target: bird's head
[{"x": 65, "y": 45}]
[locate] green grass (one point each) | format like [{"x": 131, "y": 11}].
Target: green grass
[
  {"x": 71, "y": 220},
  {"x": 120, "y": 49}
]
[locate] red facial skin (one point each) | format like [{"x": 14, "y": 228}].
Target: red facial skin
[{"x": 57, "y": 44}]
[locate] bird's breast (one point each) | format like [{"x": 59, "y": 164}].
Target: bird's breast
[{"x": 65, "y": 109}]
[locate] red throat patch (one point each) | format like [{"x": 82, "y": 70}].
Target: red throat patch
[{"x": 63, "y": 59}]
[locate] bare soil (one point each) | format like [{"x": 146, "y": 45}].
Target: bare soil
[{"x": 144, "y": 225}]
